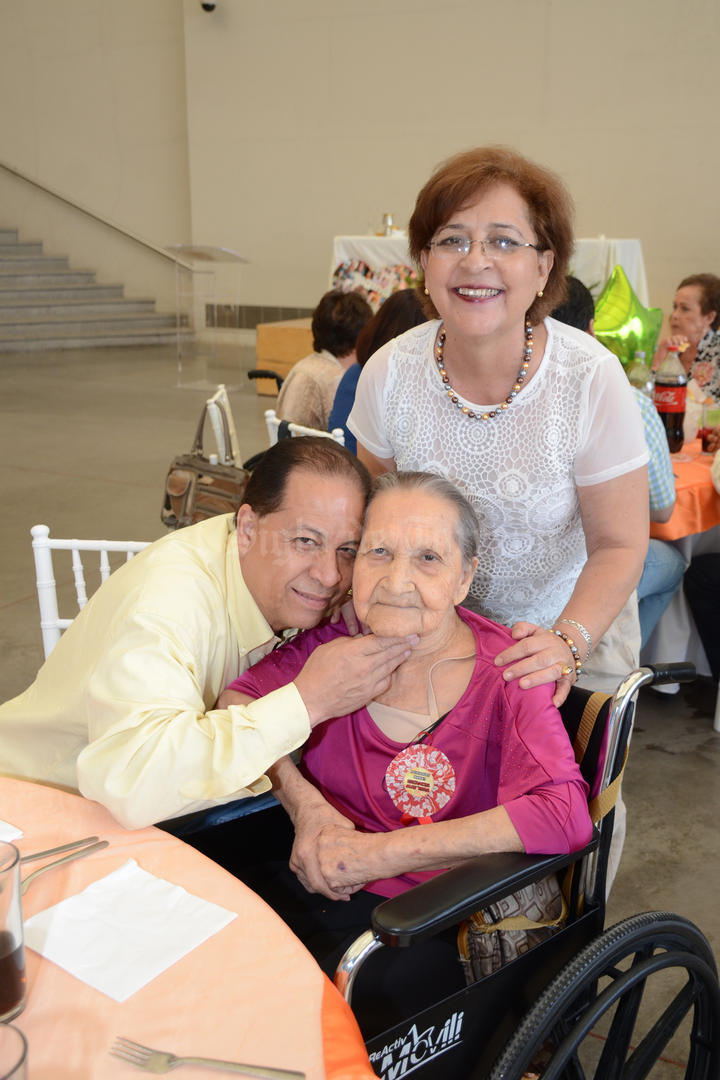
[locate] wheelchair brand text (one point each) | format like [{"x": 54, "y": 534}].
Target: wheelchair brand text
[{"x": 417, "y": 1048}]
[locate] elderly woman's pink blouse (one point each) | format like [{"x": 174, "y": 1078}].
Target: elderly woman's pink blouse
[{"x": 507, "y": 747}]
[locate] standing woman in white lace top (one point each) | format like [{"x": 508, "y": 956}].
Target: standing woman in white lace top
[{"x": 535, "y": 421}]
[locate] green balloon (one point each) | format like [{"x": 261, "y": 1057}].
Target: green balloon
[{"x": 622, "y": 324}]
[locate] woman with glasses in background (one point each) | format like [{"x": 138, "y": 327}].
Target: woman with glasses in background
[{"x": 535, "y": 421}]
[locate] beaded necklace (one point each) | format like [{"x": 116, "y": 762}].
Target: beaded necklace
[{"x": 517, "y": 385}]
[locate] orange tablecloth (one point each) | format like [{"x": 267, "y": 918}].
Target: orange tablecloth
[
  {"x": 250, "y": 993},
  {"x": 697, "y": 506}
]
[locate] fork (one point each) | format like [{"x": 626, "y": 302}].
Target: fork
[
  {"x": 58, "y": 862},
  {"x": 159, "y": 1061},
  {"x": 59, "y": 850}
]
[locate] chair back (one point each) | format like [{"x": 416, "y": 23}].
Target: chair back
[
  {"x": 279, "y": 429},
  {"x": 51, "y": 624},
  {"x": 599, "y": 727},
  {"x": 585, "y": 715}
]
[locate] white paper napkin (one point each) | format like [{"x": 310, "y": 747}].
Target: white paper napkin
[
  {"x": 123, "y": 930},
  {"x": 9, "y": 832}
]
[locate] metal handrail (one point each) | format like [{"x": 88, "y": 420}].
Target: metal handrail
[{"x": 97, "y": 217}]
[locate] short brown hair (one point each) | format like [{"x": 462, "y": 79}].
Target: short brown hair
[
  {"x": 464, "y": 177},
  {"x": 265, "y": 489},
  {"x": 337, "y": 321},
  {"x": 709, "y": 286}
]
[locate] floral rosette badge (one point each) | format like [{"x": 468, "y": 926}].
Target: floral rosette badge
[{"x": 420, "y": 781}]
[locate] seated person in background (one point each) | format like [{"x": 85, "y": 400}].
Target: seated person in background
[
  {"x": 695, "y": 328},
  {"x": 445, "y": 743},
  {"x": 400, "y": 312},
  {"x": 664, "y": 564},
  {"x": 307, "y": 394},
  {"x": 124, "y": 707}
]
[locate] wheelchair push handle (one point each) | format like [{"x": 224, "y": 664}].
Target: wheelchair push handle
[{"x": 672, "y": 673}]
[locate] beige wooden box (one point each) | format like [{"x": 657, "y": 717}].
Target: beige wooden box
[{"x": 279, "y": 346}]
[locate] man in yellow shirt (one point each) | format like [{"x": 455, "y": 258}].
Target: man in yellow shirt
[{"x": 123, "y": 710}]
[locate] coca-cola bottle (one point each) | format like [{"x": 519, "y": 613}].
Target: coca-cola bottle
[{"x": 669, "y": 397}]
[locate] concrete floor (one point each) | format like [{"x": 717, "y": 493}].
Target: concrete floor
[{"x": 85, "y": 441}]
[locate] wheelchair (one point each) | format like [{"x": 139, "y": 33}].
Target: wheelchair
[{"x": 584, "y": 1002}]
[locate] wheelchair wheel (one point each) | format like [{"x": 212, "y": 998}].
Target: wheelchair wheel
[{"x": 641, "y": 999}]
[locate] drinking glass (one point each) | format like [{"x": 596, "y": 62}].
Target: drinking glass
[
  {"x": 13, "y": 1053},
  {"x": 710, "y": 420},
  {"x": 12, "y": 952}
]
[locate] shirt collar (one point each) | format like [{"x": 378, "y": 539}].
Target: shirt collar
[{"x": 250, "y": 625}]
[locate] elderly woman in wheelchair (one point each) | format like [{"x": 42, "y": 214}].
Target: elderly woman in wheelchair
[
  {"x": 478, "y": 763},
  {"x": 453, "y": 767}
]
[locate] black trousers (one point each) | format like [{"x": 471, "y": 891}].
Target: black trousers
[
  {"x": 702, "y": 590},
  {"x": 394, "y": 983}
]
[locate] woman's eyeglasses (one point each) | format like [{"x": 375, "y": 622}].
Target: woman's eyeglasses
[{"x": 494, "y": 247}]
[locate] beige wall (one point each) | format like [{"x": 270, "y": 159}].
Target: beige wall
[
  {"x": 93, "y": 96},
  {"x": 310, "y": 119},
  {"x": 303, "y": 120}
]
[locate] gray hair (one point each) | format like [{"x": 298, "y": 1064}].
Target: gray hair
[{"x": 467, "y": 531}]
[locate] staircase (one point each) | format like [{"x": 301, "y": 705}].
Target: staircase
[{"x": 46, "y": 305}]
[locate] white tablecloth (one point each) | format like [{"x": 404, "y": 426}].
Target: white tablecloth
[
  {"x": 593, "y": 261},
  {"x": 675, "y": 637}
]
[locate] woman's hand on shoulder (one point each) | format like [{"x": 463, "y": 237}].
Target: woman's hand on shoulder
[{"x": 538, "y": 657}]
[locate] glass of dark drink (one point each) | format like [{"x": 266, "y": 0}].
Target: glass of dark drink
[
  {"x": 12, "y": 952},
  {"x": 13, "y": 1053},
  {"x": 708, "y": 430}
]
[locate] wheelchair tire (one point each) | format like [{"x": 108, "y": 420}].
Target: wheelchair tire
[{"x": 624, "y": 960}]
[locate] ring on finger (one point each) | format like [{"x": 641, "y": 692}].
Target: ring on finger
[{"x": 566, "y": 670}]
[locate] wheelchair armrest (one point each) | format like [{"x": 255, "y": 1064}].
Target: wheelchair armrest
[{"x": 445, "y": 900}]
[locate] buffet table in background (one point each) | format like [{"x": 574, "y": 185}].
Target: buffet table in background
[
  {"x": 249, "y": 993},
  {"x": 380, "y": 264}
]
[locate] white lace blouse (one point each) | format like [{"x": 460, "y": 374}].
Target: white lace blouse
[{"x": 576, "y": 423}]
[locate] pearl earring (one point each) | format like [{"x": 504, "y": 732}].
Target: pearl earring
[{"x": 540, "y": 293}]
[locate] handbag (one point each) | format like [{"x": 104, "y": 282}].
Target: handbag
[
  {"x": 494, "y": 936},
  {"x": 198, "y": 487}
]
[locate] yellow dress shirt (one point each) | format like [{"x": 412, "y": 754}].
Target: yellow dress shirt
[{"x": 123, "y": 708}]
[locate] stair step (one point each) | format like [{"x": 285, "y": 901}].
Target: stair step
[
  {"x": 11, "y": 293},
  {"x": 31, "y": 280},
  {"x": 29, "y": 307},
  {"x": 46, "y": 305},
  {"x": 22, "y": 264},
  {"x": 70, "y": 326},
  {"x": 28, "y": 247},
  {"x": 90, "y": 340}
]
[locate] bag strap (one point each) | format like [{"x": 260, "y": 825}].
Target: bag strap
[
  {"x": 517, "y": 922},
  {"x": 603, "y": 803},
  {"x": 197, "y": 447}
]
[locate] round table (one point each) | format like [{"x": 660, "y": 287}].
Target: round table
[{"x": 250, "y": 993}]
